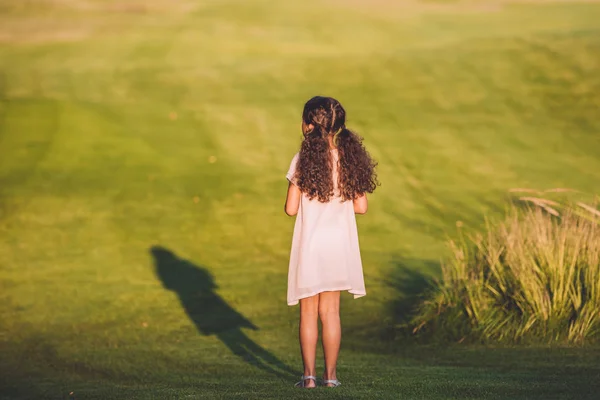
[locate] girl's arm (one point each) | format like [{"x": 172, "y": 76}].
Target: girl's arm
[
  {"x": 292, "y": 202},
  {"x": 361, "y": 204}
]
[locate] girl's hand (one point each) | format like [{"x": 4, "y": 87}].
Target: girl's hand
[{"x": 361, "y": 204}]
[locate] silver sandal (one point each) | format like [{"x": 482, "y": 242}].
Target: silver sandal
[
  {"x": 303, "y": 378},
  {"x": 333, "y": 382}
]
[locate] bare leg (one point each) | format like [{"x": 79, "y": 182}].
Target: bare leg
[
  {"x": 329, "y": 312},
  {"x": 309, "y": 333}
]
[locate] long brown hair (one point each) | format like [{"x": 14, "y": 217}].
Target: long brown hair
[{"x": 356, "y": 168}]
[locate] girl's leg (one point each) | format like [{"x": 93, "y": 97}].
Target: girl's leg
[
  {"x": 309, "y": 333},
  {"x": 329, "y": 312}
]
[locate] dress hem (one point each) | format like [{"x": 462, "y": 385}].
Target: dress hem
[{"x": 357, "y": 294}]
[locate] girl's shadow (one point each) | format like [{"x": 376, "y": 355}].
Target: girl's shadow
[{"x": 195, "y": 287}]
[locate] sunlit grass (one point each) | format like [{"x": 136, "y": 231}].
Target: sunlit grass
[{"x": 172, "y": 124}]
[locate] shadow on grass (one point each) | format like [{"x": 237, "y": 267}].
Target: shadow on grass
[
  {"x": 411, "y": 281},
  {"x": 408, "y": 281},
  {"x": 518, "y": 372},
  {"x": 211, "y": 315}
]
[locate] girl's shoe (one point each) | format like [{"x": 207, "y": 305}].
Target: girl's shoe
[
  {"x": 303, "y": 378},
  {"x": 334, "y": 382}
]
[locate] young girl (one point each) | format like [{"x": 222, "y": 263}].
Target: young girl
[{"x": 328, "y": 182}]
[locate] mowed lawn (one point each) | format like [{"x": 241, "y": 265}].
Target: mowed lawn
[{"x": 143, "y": 151}]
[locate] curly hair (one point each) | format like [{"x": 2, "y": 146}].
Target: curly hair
[{"x": 314, "y": 171}]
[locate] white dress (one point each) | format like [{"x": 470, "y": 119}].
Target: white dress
[{"x": 325, "y": 253}]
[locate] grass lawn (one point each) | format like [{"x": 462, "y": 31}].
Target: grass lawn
[{"x": 143, "y": 151}]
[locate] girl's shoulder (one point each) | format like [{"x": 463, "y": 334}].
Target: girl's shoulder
[
  {"x": 294, "y": 161},
  {"x": 292, "y": 170}
]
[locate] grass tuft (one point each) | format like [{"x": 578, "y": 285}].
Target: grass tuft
[{"x": 533, "y": 277}]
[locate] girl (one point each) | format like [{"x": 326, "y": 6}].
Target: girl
[{"x": 328, "y": 182}]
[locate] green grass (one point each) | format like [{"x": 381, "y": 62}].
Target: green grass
[
  {"x": 533, "y": 277},
  {"x": 110, "y": 118}
]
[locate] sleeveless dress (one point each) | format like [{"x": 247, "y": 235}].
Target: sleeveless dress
[{"x": 325, "y": 254}]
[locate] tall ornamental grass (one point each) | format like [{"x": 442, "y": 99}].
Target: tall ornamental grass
[{"x": 535, "y": 277}]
